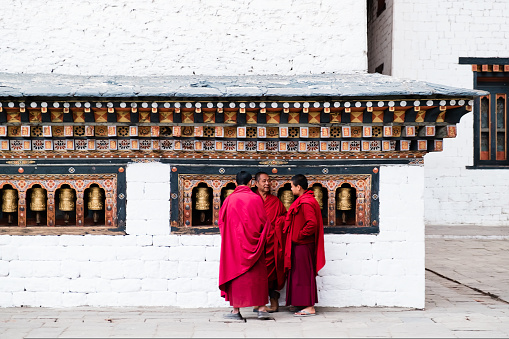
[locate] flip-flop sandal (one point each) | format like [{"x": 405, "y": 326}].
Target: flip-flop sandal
[
  {"x": 303, "y": 313},
  {"x": 233, "y": 316},
  {"x": 263, "y": 315}
]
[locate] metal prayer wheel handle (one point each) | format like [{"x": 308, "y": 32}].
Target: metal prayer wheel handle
[
  {"x": 38, "y": 200},
  {"x": 202, "y": 199},
  {"x": 344, "y": 202},
  {"x": 287, "y": 198},
  {"x": 66, "y": 200},
  {"x": 9, "y": 201},
  {"x": 317, "y": 190}
]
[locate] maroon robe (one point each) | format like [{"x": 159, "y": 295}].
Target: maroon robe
[
  {"x": 243, "y": 225},
  {"x": 304, "y": 250},
  {"x": 274, "y": 249}
]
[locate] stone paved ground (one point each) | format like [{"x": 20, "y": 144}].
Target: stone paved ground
[{"x": 463, "y": 268}]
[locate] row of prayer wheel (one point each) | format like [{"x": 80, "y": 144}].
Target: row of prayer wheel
[
  {"x": 343, "y": 200},
  {"x": 67, "y": 198}
]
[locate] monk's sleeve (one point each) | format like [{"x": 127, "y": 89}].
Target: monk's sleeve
[{"x": 311, "y": 225}]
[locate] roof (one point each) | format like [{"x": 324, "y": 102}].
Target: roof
[{"x": 356, "y": 85}]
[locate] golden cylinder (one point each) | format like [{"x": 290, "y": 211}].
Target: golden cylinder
[
  {"x": 344, "y": 201},
  {"x": 66, "y": 200},
  {"x": 95, "y": 199},
  {"x": 202, "y": 199},
  {"x": 9, "y": 201},
  {"x": 287, "y": 198},
  {"x": 38, "y": 202},
  {"x": 227, "y": 192},
  {"x": 317, "y": 190}
]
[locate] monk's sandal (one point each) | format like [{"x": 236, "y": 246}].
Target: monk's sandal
[
  {"x": 263, "y": 315},
  {"x": 233, "y": 316}
]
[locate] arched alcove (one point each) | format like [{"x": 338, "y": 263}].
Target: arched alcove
[
  {"x": 227, "y": 190},
  {"x": 95, "y": 199},
  {"x": 201, "y": 198},
  {"x": 285, "y": 195},
  {"x": 345, "y": 205},
  {"x": 37, "y": 202},
  {"x": 65, "y": 202},
  {"x": 322, "y": 197},
  {"x": 9, "y": 206}
]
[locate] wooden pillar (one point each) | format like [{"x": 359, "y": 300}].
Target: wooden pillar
[
  {"x": 108, "y": 209},
  {"x": 50, "y": 209},
  {"x": 331, "y": 212},
  {"x": 80, "y": 208},
  {"x": 216, "y": 205},
  {"x": 22, "y": 206}
]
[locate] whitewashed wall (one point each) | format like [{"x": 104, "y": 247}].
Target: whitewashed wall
[
  {"x": 380, "y": 37},
  {"x": 429, "y": 37},
  {"x": 183, "y": 37},
  {"x": 152, "y": 267}
]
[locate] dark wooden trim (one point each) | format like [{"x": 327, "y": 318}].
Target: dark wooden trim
[
  {"x": 483, "y": 61},
  {"x": 68, "y": 230}
]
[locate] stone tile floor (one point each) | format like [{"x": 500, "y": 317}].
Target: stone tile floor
[{"x": 467, "y": 291}]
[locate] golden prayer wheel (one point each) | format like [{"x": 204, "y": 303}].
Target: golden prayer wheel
[
  {"x": 202, "y": 199},
  {"x": 95, "y": 201},
  {"x": 317, "y": 190},
  {"x": 9, "y": 201},
  {"x": 66, "y": 202},
  {"x": 66, "y": 198},
  {"x": 38, "y": 202},
  {"x": 344, "y": 201},
  {"x": 227, "y": 192},
  {"x": 287, "y": 198}
]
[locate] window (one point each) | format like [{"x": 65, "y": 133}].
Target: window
[{"x": 490, "y": 112}]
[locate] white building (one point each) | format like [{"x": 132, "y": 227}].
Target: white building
[{"x": 69, "y": 43}]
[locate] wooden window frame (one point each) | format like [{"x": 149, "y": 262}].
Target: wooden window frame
[{"x": 499, "y": 88}]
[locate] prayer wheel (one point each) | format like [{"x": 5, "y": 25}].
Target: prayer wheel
[
  {"x": 95, "y": 201},
  {"x": 287, "y": 198},
  {"x": 202, "y": 199},
  {"x": 317, "y": 190},
  {"x": 202, "y": 202},
  {"x": 38, "y": 203},
  {"x": 344, "y": 201},
  {"x": 66, "y": 202},
  {"x": 9, "y": 203},
  {"x": 227, "y": 192}
]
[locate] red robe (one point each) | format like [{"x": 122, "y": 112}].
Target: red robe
[
  {"x": 304, "y": 225},
  {"x": 274, "y": 249},
  {"x": 243, "y": 225}
]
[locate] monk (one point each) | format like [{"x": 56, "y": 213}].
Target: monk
[
  {"x": 304, "y": 252},
  {"x": 276, "y": 212},
  {"x": 243, "y": 225}
]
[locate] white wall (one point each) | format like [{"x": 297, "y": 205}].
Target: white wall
[
  {"x": 429, "y": 38},
  {"x": 380, "y": 38},
  {"x": 183, "y": 37},
  {"x": 154, "y": 268}
]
